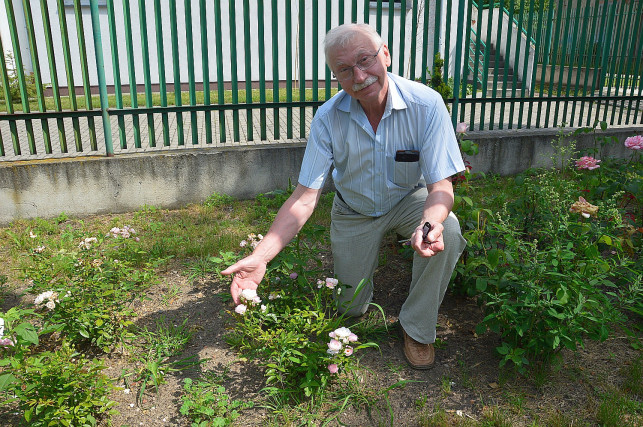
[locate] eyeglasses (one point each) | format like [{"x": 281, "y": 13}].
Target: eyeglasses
[{"x": 364, "y": 63}]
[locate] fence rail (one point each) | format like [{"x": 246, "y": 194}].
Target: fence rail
[{"x": 86, "y": 77}]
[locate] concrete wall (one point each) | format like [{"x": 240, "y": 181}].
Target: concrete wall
[{"x": 96, "y": 185}]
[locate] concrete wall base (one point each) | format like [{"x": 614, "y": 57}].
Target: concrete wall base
[{"x": 100, "y": 185}]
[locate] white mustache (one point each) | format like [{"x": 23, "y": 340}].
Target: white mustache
[{"x": 369, "y": 81}]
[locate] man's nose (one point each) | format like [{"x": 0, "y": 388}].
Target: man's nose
[{"x": 359, "y": 75}]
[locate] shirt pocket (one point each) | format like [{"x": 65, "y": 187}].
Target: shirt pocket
[{"x": 403, "y": 174}]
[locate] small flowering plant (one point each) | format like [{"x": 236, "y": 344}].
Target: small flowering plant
[
  {"x": 292, "y": 325},
  {"x": 252, "y": 242}
]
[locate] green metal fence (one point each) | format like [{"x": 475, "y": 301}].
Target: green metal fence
[{"x": 117, "y": 76}]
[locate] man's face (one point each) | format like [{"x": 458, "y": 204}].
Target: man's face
[{"x": 369, "y": 86}]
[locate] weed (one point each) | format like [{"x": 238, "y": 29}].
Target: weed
[
  {"x": 616, "y": 409},
  {"x": 206, "y": 402},
  {"x": 216, "y": 200},
  {"x": 634, "y": 377}
]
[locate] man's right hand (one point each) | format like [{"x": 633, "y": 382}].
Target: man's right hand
[{"x": 248, "y": 273}]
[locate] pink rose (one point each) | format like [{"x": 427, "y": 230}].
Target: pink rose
[
  {"x": 293, "y": 276},
  {"x": 461, "y": 128},
  {"x": 333, "y": 368},
  {"x": 240, "y": 309},
  {"x": 334, "y": 346},
  {"x": 348, "y": 350},
  {"x": 587, "y": 162},
  {"x": 634, "y": 142}
]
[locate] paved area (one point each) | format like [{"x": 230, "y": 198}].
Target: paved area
[{"x": 249, "y": 128}]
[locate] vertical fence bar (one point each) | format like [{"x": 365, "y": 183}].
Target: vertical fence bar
[
  {"x": 102, "y": 84},
  {"x": 447, "y": 42},
  {"x": 71, "y": 88},
  {"x": 262, "y": 68},
  {"x": 80, "y": 31},
  {"x": 638, "y": 59},
  {"x": 546, "y": 56},
  {"x": 378, "y": 17},
  {"x": 53, "y": 72},
  {"x": 494, "y": 86},
  {"x": 572, "y": 62},
  {"x": 391, "y": 16},
  {"x": 248, "y": 68},
  {"x": 414, "y": 35},
  {"x": 327, "y": 76},
  {"x": 554, "y": 61},
  {"x": 589, "y": 61},
  {"x": 302, "y": 68},
  {"x": 315, "y": 41},
  {"x": 525, "y": 63},
  {"x": 178, "y": 97},
  {"x": 629, "y": 66},
  {"x": 289, "y": 124},
  {"x": 436, "y": 28},
  {"x": 17, "y": 57},
  {"x": 485, "y": 72},
  {"x": 340, "y": 12},
  {"x": 458, "y": 56},
  {"x": 400, "y": 66},
  {"x": 118, "y": 95},
  {"x": 466, "y": 47},
  {"x": 367, "y": 12},
  {"x": 476, "y": 67},
  {"x": 189, "y": 41},
  {"x": 220, "y": 83},
  {"x": 205, "y": 68},
  {"x": 514, "y": 83},
  {"x": 354, "y": 11},
  {"x": 563, "y": 61},
  {"x": 425, "y": 44},
  {"x": 582, "y": 60},
  {"x": 233, "y": 67},
  {"x": 535, "y": 65},
  {"x": 127, "y": 17},
  {"x": 614, "y": 52},
  {"x": 275, "y": 66},
  {"x": 160, "y": 54},
  {"x": 606, "y": 58},
  {"x": 505, "y": 76},
  {"x": 598, "y": 76},
  {"x": 621, "y": 66},
  {"x": 9, "y": 103},
  {"x": 31, "y": 36},
  {"x": 145, "y": 52}
]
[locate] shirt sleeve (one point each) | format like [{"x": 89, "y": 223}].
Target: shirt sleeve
[
  {"x": 440, "y": 153},
  {"x": 318, "y": 156}
]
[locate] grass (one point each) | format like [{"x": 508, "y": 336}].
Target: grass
[
  {"x": 190, "y": 236},
  {"x": 126, "y": 101}
]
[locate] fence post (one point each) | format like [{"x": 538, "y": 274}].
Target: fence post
[{"x": 100, "y": 70}]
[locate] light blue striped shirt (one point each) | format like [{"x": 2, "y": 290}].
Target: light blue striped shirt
[{"x": 365, "y": 171}]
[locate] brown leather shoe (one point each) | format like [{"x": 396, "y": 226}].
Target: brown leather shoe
[{"x": 419, "y": 356}]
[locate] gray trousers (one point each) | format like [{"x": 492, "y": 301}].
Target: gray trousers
[{"x": 355, "y": 242}]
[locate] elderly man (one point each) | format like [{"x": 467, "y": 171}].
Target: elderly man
[{"x": 383, "y": 134}]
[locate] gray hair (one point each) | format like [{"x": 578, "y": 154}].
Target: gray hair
[{"x": 340, "y": 36}]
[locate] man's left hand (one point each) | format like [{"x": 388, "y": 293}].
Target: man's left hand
[{"x": 433, "y": 244}]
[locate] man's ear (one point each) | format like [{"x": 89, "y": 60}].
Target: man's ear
[{"x": 387, "y": 55}]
